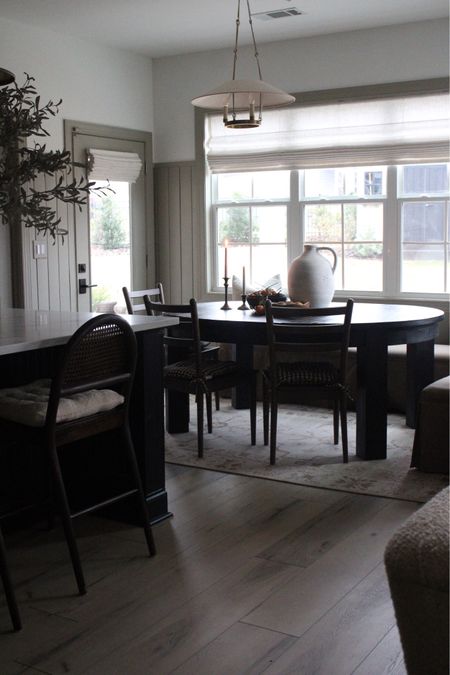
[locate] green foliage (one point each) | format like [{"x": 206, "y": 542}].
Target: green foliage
[
  {"x": 106, "y": 225},
  {"x": 235, "y": 225},
  {"x": 324, "y": 223},
  {"x": 21, "y": 117}
]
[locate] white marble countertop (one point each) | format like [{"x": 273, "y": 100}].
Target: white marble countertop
[{"x": 26, "y": 329}]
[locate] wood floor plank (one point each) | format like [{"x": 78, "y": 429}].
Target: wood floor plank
[
  {"x": 165, "y": 584},
  {"x": 386, "y": 658},
  {"x": 313, "y": 590},
  {"x": 228, "y": 572},
  {"x": 253, "y": 648},
  {"x": 354, "y": 626},
  {"x": 313, "y": 539},
  {"x": 183, "y": 632}
]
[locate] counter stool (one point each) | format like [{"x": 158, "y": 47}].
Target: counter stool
[{"x": 88, "y": 395}]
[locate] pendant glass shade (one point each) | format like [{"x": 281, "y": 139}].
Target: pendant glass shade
[
  {"x": 235, "y": 96},
  {"x": 6, "y": 77}
]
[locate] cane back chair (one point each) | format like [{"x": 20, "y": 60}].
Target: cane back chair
[{"x": 88, "y": 395}]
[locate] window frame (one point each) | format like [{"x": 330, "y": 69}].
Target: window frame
[{"x": 296, "y": 229}]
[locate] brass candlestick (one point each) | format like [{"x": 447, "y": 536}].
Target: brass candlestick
[
  {"x": 225, "y": 304},
  {"x": 244, "y": 302}
]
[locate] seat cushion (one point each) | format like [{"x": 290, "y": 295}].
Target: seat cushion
[
  {"x": 28, "y": 404},
  {"x": 306, "y": 374},
  {"x": 186, "y": 370}
]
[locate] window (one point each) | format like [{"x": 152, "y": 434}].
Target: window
[
  {"x": 262, "y": 213},
  {"x": 363, "y": 171}
]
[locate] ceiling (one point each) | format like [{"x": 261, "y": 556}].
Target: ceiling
[{"x": 158, "y": 28}]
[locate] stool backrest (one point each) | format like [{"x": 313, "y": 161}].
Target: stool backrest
[{"x": 101, "y": 354}]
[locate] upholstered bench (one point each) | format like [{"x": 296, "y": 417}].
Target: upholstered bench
[
  {"x": 431, "y": 439},
  {"x": 417, "y": 566},
  {"x": 397, "y": 373}
]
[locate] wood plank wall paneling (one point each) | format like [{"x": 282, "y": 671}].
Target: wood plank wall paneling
[
  {"x": 175, "y": 217},
  {"x": 47, "y": 280}
]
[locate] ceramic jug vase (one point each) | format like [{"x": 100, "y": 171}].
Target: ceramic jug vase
[{"x": 311, "y": 277}]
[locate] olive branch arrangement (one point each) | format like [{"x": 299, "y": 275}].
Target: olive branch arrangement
[{"x": 22, "y": 117}]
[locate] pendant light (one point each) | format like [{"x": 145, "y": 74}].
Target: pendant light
[{"x": 247, "y": 96}]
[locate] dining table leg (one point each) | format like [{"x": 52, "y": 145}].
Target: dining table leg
[
  {"x": 240, "y": 396},
  {"x": 371, "y": 404}
]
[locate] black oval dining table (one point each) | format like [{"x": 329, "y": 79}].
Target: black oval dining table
[{"x": 375, "y": 326}]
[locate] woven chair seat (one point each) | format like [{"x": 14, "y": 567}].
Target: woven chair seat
[
  {"x": 210, "y": 370},
  {"x": 306, "y": 374}
]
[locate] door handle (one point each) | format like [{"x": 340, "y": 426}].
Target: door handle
[{"x": 83, "y": 286}]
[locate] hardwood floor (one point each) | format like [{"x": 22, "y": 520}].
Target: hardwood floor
[{"x": 251, "y": 576}]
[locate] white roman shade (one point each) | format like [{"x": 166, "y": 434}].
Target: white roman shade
[
  {"x": 391, "y": 130},
  {"x": 114, "y": 166}
]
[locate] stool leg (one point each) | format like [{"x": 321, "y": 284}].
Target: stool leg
[
  {"x": 9, "y": 591},
  {"x": 66, "y": 519},
  {"x": 140, "y": 491}
]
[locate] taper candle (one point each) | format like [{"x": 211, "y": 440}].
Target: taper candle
[
  {"x": 225, "y": 243},
  {"x": 243, "y": 280}
]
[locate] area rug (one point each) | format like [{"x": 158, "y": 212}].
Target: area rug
[{"x": 306, "y": 454}]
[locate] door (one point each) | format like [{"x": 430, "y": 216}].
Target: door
[{"x": 114, "y": 235}]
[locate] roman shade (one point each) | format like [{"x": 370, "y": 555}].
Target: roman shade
[
  {"x": 386, "y": 130},
  {"x": 113, "y": 166}
]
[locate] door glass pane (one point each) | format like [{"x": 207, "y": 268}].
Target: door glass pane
[{"x": 109, "y": 221}]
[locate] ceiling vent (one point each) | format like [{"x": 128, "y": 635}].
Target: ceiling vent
[{"x": 277, "y": 14}]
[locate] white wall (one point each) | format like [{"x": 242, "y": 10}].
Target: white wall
[
  {"x": 394, "y": 53},
  {"x": 97, "y": 84}
]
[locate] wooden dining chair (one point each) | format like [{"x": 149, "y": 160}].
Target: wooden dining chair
[
  {"x": 88, "y": 395},
  {"x": 183, "y": 333},
  {"x": 134, "y": 300},
  {"x": 312, "y": 334},
  {"x": 8, "y": 586},
  {"x": 200, "y": 375}
]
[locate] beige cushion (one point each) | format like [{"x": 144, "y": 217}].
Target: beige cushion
[
  {"x": 28, "y": 404},
  {"x": 236, "y": 286},
  {"x": 431, "y": 439}
]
